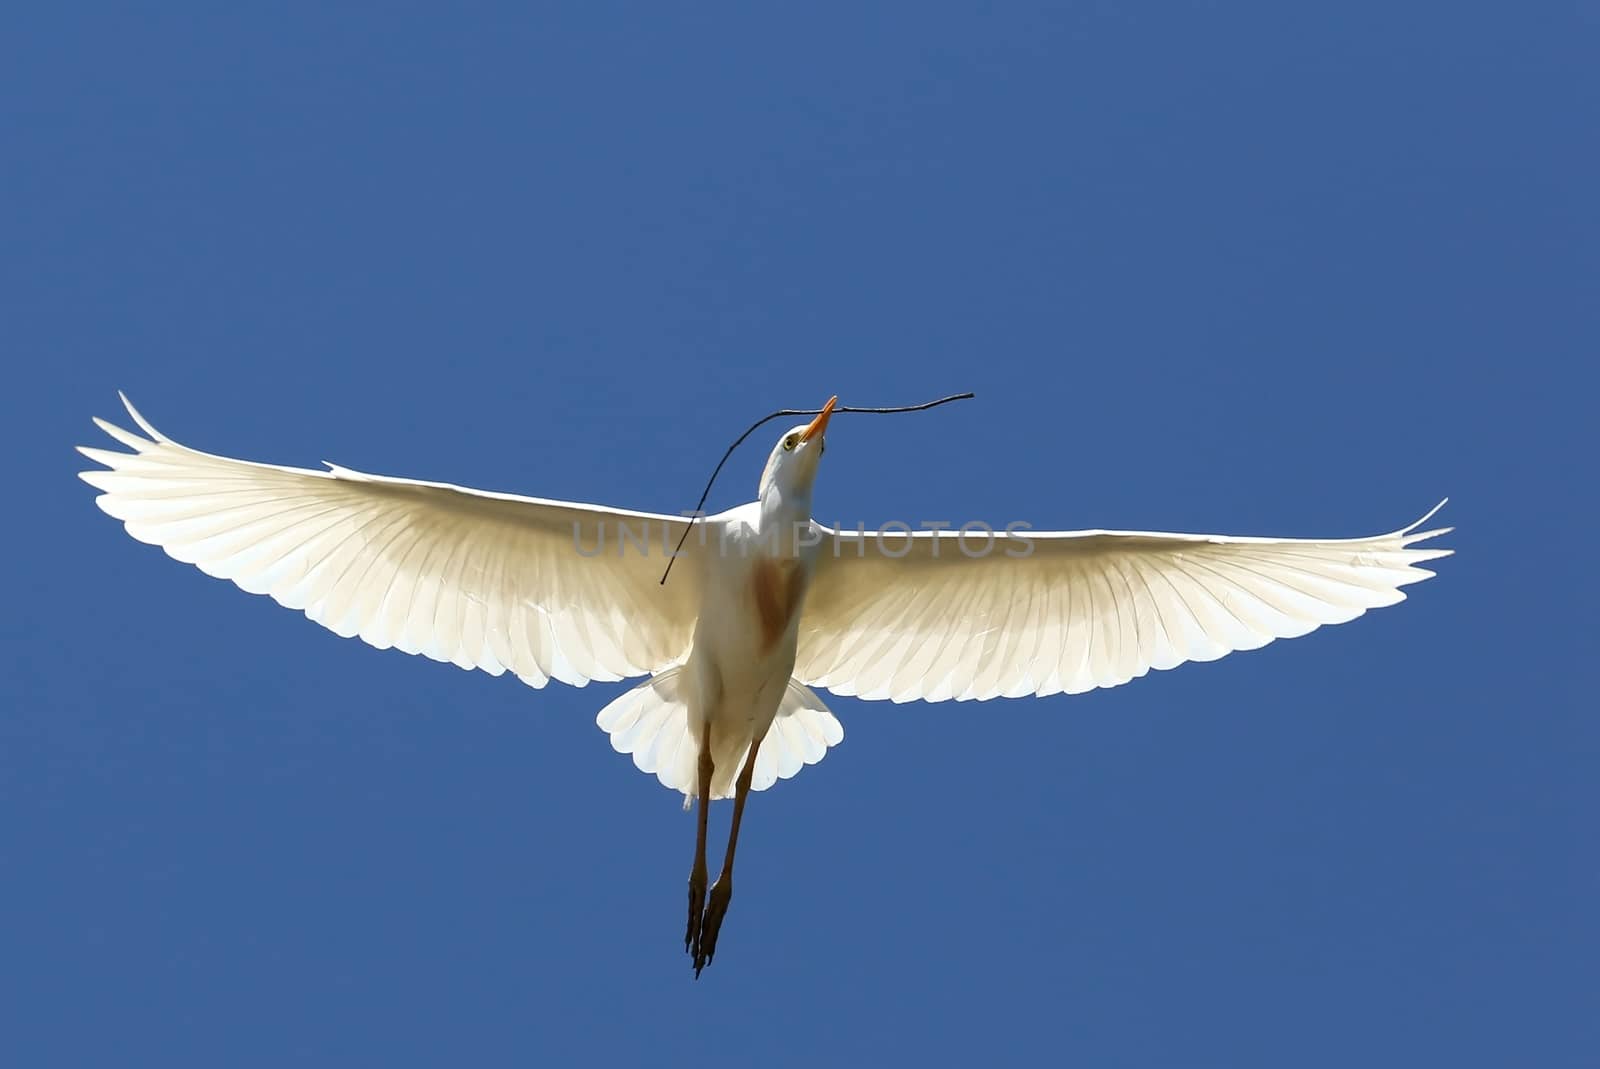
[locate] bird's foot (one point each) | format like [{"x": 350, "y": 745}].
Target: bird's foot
[
  {"x": 697, "y": 906},
  {"x": 711, "y": 923}
]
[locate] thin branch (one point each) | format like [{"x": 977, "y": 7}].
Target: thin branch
[{"x": 776, "y": 415}]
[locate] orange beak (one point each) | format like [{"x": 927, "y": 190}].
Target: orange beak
[{"x": 820, "y": 424}]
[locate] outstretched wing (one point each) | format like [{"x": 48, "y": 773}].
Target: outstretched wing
[
  {"x": 545, "y": 589},
  {"x": 907, "y": 616}
]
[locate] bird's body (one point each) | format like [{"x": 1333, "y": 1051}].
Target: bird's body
[
  {"x": 751, "y": 595},
  {"x": 765, "y": 604}
]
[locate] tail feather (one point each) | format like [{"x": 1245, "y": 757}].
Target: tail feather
[{"x": 651, "y": 722}]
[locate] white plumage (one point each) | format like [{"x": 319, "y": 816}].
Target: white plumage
[
  {"x": 750, "y": 622},
  {"x": 482, "y": 580},
  {"x": 1082, "y": 609}
]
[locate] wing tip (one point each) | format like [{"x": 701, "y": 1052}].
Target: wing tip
[
  {"x": 144, "y": 424},
  {"x": 1425, "y": 518},
  {"x": 1409, "y": 535}
]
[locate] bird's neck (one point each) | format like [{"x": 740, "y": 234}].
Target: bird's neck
[{"x": 784, "y": 510}]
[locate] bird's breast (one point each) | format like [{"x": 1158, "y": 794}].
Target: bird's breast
[{"x": 776, "y": 588}]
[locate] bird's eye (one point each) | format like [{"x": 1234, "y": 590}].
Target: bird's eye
[{"x": 789, "y": 442}]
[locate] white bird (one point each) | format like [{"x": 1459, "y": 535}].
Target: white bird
[{"x": 764, "y": 604}]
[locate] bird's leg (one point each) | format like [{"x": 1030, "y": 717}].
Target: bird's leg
[
  {"x": 722, "y": 890},
  {"x": 697, "y": 873}
]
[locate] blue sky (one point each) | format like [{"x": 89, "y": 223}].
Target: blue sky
[{"x": 1245, "y": 268}]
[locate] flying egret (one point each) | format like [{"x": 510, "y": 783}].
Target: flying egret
[{"x": 765, "y": 604}]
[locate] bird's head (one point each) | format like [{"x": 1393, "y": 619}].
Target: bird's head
[{"x": 792, "y": 467}]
